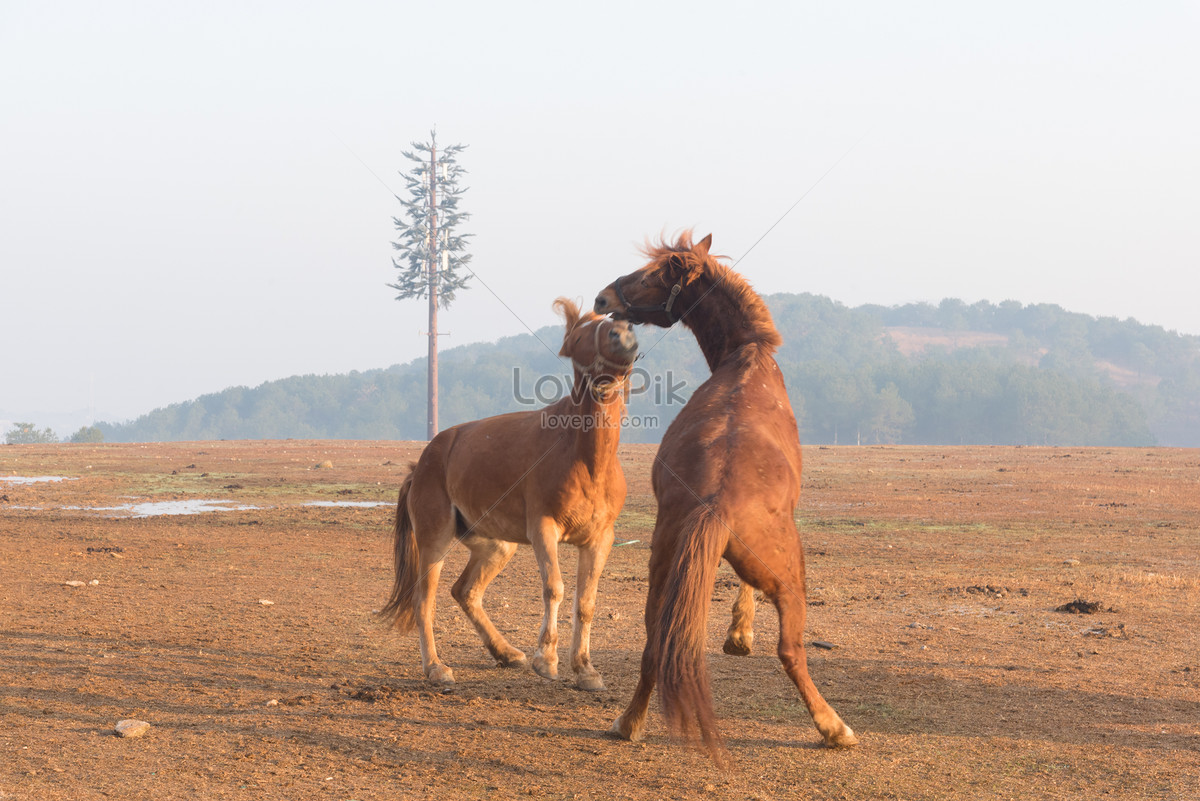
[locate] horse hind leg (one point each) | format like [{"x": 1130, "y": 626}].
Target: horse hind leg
[
  {"x": 791, "y": 653},
  {"x": 435, "y": 670},
  {"x": 433, "y": 524},
  {"x": 488, "y": 558},
  {"x": 632, "y": 722},
  {"x": 739, "y": 639}
]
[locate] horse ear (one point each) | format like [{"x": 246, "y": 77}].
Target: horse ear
[
  {"x": 684, "y": 267},
  {"x": 569, "y": 311},
  {"x": 702, "y": 247}
]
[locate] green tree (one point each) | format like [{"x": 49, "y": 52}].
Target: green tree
[
  {"x": 892, "y": 416},
  {"x": 26, "y": 434},
  {"x": 88, "y": 434}
]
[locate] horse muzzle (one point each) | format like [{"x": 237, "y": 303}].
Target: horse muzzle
[
  {"x": 607, "y": 303},
  {"x": 623, "y": 339}
]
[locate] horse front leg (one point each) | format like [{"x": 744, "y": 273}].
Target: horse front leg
[
  {"x": 739, "y": 639},
  {"x": 591, "y": 564},
  {"x": 544, "y": 536}
]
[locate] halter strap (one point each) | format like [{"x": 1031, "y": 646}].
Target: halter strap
[
  {"x": 663, "y": 307},
  {"x": 598, "y": 361}
]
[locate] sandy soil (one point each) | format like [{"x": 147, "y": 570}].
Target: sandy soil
[{"x": 935, "y": 573}]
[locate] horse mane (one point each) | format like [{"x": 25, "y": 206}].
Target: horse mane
[{"x": 723, "y": 278}]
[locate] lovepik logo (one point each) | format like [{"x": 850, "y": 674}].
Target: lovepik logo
[{"x": 664, "y": 389}]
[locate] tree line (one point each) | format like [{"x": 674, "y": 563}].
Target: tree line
[
  {"x": 1043, "y": 376},
  {"x": 30, "y": 434}
]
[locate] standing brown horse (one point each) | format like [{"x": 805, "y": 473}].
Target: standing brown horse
[
  {"x": 538, "y": 477},
  {"x": 727, "y": 480}
]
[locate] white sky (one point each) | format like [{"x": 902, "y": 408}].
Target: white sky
[{"x": 197, "y": 196}]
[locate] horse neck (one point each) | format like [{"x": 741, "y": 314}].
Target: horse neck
[
  {"x": 724, "y": 324},
  {"x": 595, "y": 445}
]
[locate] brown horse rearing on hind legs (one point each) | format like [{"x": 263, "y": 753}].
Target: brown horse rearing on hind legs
[
  {"x": 727, "y": 480},
  {"x": 538, "y": 477}
]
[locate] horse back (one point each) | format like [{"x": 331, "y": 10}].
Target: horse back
[
  {"x": 503, "y": 473},
  {"x": 734, "y": 445}
]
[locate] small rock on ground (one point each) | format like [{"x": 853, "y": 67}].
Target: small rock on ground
[{"x": 131, "y": 728}]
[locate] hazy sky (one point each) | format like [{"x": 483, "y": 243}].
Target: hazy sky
[{"x": 199, "y": 196}]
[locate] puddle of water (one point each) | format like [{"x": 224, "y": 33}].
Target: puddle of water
[
  {"x": 193, "y": 507},
  {"x": 124, "y": 508},
  {"x": 189, "y": 507},
  {"x": 34, "y": 479}
]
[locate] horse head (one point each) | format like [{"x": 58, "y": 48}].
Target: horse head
[
  {"x": 651, "y": 294},
  {"x": 602, "y": 349}
]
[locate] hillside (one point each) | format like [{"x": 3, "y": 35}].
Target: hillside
[{"x": 984, "y": 374}]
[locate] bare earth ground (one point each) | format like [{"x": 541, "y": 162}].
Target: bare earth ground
[{"x": 935, "y": 573}]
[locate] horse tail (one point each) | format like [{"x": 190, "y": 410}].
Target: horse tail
[
  {"x": 682, "y": 630},
  {"x": 400, "y": 610}
]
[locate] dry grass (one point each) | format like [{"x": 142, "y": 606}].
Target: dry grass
[{"x": 934, "y": 573}]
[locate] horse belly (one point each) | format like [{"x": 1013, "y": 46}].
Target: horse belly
[{"x": 496, "y": 527}]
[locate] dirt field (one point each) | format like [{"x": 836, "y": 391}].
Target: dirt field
[{"x": 934, "y": 573}]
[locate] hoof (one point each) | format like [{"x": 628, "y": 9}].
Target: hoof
[
  {"x": 544, "y": 668},
  {"x": 514, "y": 660},
  {"x": 737, "y": 646},
  {"x": 843, "y": 739},
  {"x": 622, "y": 731},
  {"x": 440, "y": 675},
  {"x": 590, "y": 682}
]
